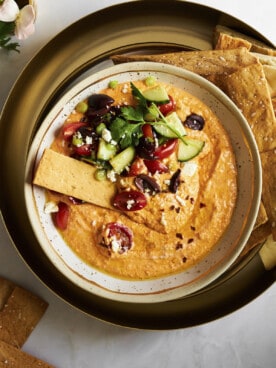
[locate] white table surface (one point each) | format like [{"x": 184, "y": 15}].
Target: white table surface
[{"x": 67, "y": 338}]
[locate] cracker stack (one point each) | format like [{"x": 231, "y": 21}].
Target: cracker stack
[
  {"x": 245, "y": 69},
  {"x": 20, "y": 312}
]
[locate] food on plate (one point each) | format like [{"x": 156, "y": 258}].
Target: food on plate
[
  {"x": 226, "y": 38},
  {"x": 248, "y": 88},
  {"x": 172, "y": 167},
  {"x": 245, "y": 69},
  {"x": 213, "y": 65}
]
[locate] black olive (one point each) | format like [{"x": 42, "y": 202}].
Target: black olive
[
  {"x": 195, "y": 122},
  {"x": 146, "y": 148},
  {"x": 175, "y": 181},
  {"x": 147, "y": 184},
  {"x": 98, "y": 106},
  {"x": 99, "y": 100}
]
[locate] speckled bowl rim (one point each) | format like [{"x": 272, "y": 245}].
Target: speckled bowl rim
[{"x": 245, "y": 213}]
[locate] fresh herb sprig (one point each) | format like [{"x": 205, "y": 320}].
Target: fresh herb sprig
[{"x": 126, "y": 128}]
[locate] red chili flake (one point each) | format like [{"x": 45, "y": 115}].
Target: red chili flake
[
  {"x": 192, "y": 200},
  {"x": 179, "y": 246},
  {"x": 172, "y": 207},
  {"x": 179, "y": 235},
  {"x": 190, "y": 240},
  {"x": 184, "y": 259},
  {"x": 201, "y": 205},
  {"x": 193, "y": 228},
  {"x": 177, "y": 210}
]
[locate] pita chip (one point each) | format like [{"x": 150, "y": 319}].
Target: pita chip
[
  {"x": 226, "y": 38},
  {"x": 269, "y": 187},
  {"x": 249, "y": 90},
  {"x": 213, "y": 65}
]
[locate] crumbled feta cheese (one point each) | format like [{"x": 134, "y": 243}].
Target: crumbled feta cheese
[
  {"x": 50, "y": 207},
  {"x": 88, "y": 140},
  {"x": 130, "y": 203},
  {"x": 125, "y": 88},
  {"x": 106, "y": 135},
  {"x": 115, "y": 246},
  {"x": 190, "y": 168},
  {"x": 111, "y": 175}
]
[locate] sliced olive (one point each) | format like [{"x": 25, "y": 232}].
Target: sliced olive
[
  {"x": 147, "y": 184},
  {"x": 175, "y": 181}
]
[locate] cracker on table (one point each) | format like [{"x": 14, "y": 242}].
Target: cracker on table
[
  {"x": 12, "y": 357},
  {"x": 249, "y": 90},
  {"x": 21, "y": 311}
]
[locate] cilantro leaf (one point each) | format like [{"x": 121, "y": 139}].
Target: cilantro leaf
[
  {"x": 132, "y": 113},
  {"x": 117, "y": 128}
]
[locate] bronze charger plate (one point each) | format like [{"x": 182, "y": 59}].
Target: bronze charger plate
[{"x": 85, "y": 46}]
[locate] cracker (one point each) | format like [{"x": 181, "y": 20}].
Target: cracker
[
  {"x": 269, "y": 187},
  {"x": 19, "y": 315},
  {"x": 213, "y": 65},
  {"x": 12, "y": 357},
  {"x": 6, "y": 288},
  {"x": 262, "y": 216},
  {"x": 258, "y": 236},
  {"x": 249, "y": 90},
  {"x": 227, "y": 38},
  {"x": 69, "y": 176}
]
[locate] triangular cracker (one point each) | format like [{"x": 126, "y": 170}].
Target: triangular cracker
[{"x": 249, "y": 90}]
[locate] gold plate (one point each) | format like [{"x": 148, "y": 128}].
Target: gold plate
[{"x": 86, "y": 45}]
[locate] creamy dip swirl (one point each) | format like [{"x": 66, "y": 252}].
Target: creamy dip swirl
[{"x": 173, "y": 231}]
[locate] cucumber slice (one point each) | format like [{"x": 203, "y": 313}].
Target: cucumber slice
[
  {"x": 106, "y": 150},
  {"x": 189, "y": 150},
  {"x": 122, "y": 159},
  {"x": 156, "y": 94},
  {"x": 175, "y": 123}
]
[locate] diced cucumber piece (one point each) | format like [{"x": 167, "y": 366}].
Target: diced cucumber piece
[
  {"x": 122, "y": 159},
  {"x": 106, "y": 150},
  {"x": 189, "y": 150},
  {"x": 157, "y": 94},
  {"x": 173, "y": 121}
]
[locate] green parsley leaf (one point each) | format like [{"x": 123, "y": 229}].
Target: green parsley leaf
[{"x": 132, "y": 113}]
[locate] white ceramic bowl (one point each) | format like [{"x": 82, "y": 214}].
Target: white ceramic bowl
[{"x": 231, "y": 243}]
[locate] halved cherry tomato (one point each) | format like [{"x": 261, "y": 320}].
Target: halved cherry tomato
[
  {"x": 155, "y": 166},
  {"x": 84, "y": 150},
  {"x": 131, "y": 200},
  {"x": 69, "y": 129},
  {"x": 147, "y": 131},
  {"x": 167, "y": 107},
  {"x": 136, "y": 167},
  {"x": 166, "y": 149},
  {"x": 120, "y": 234},
  {"x": 61, "y": 217}
]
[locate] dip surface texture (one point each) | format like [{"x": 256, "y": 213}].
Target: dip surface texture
[{"x": 173, "y": 231}]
